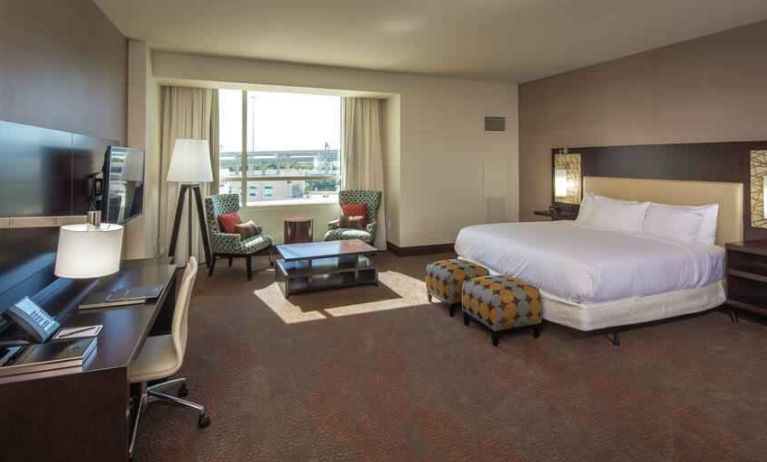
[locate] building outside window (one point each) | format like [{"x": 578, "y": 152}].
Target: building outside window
[{"x": 286, "y": 148}]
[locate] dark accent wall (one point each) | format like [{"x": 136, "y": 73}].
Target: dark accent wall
[
  {"x": 720, "y": 162},
  {"x": 63, "y": 65},
  {"x": 711, "y": 89}
]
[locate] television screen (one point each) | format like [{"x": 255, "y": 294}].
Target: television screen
[{"x": 123, "y": 188}]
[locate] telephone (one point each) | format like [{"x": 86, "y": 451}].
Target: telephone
[{"x": 34, "y": 320}]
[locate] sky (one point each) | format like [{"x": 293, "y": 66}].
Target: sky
[{"x": 280, "y": 121}]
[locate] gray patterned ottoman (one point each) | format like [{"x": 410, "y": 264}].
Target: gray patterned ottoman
[
  {"x": 501, "y": 303},
  {"x": 445, "y": 278}
]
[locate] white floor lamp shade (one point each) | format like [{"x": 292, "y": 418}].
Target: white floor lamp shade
[
  {"x": 87, "y": 251},
  {"x": 190, "y": 162}
]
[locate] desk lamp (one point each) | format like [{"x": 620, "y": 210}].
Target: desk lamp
[{"x": 89, "y": 250}]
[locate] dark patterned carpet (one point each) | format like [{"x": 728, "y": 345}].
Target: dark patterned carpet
[{"x": 411, "y": 383}]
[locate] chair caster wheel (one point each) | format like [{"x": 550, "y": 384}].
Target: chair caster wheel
[
  {"x": 203, "y": 421},
  {"x": 183, "y": 391}
]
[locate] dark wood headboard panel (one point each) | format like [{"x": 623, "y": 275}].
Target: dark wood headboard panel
[{"x": 725, "y": 162}]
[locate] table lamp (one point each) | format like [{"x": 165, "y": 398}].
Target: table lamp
[
  {"x": 189, "y": 166},
  {"x": 89, "y": 250}
]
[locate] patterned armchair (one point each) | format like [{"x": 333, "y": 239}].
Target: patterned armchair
[
  {"x": 373, "y": 201},
  {"x": 230, "y": 245}
]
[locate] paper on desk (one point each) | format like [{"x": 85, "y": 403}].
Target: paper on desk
[{"x": 78, "y": 332}]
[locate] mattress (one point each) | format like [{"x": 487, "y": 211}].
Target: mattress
[{"x": 582, "y": 265}]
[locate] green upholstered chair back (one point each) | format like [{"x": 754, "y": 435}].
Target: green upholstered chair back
[
  {"x": 371, "y": 198},
  {"x": 218, "y": 205}
]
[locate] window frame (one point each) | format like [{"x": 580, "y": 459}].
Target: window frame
[{"x": 244, "y": 178}]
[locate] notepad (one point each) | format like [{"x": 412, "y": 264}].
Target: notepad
[
  {"x": 122, "y": 297},
  {"x": 78, "y": 332}
]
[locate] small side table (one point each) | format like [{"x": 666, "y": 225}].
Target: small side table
[
  {"x": 298, "y": 229},
  {"x": 557, "y": 213},
  {"x": 746, "y": 271}
]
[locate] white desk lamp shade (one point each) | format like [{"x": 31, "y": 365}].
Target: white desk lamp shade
[
  {"x": 86, "y": 251},
  {"x": 190, "y": 162}
]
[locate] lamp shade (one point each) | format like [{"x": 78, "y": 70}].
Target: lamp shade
[
  {"x": 87, "y": 251},
  {"x": 190, "y": 162}
]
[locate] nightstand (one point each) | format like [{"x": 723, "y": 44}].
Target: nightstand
[
  {"x": 746, "y": 269},
  {"x": 557, "y": 212}
]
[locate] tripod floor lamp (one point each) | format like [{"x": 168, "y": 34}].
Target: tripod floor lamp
[{"x": 190, "y": 166}]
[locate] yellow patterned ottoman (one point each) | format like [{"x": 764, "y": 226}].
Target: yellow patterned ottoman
[
  {"x": 444, "y": 280},
  {"x": 501, "y": 303}
]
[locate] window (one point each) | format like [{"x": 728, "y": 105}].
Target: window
[{"x": 285, "y": 149}]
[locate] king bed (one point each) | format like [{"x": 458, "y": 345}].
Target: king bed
[{"x": 594, "y": 276}]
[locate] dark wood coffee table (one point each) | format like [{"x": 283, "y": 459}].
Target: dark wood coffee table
[{"x": 315, "y": 266}]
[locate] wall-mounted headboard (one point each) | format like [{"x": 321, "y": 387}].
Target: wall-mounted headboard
[{"x": 726, "y": 162}]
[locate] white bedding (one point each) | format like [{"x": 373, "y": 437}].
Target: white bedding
[{"x": 585, "y": 265}]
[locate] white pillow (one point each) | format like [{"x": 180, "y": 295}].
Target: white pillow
[
  {"x": 618, "y": 215},
  {"x": 675, "y": 223},
  {"x": 586, "y": 210},
  {"x": 707, "y": 231}
]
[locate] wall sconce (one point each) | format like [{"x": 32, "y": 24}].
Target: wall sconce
[
  {"x": 567, "y": 178},
  {"x": 561, "y": 186},
  {"x": 764, "y": 196},
  {"x": 758, "y": 189}
]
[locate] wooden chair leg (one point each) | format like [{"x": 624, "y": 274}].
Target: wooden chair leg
[
  {"x": 249, "y": 263},
  {"x": 212, "y": 265},
  {"x": 230, "y": 261},
  {"x": 495, "y": 336}
]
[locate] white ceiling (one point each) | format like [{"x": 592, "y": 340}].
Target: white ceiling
[{"x": 514, "y": 40}]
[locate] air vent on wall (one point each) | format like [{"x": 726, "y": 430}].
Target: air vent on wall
[{"x": 495, "y": 124}]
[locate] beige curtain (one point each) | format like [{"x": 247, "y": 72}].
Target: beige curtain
[
  {"x": 186, "y": 113},
  {"x": 362, "y": 148}
]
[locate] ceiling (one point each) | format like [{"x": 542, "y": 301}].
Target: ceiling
[{"x": 512, "y": 40}]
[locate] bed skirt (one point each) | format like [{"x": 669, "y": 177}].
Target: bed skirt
[{"x": 635, "y": 310}]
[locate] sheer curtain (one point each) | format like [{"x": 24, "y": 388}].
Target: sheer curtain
[
  {"x": 185, "y": 113},
  {"x": 362, "y": 148}
]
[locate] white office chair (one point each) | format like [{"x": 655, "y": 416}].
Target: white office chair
[{"x": 162, "y": 356}]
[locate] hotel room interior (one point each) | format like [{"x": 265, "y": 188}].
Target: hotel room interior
[{"x": 438, "y": 230}]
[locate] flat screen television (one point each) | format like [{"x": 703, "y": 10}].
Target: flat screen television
[{"x": 123, "y": 187}]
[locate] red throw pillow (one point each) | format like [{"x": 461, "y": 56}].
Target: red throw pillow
[
  {"x": 228, "y": 221},
  {"x": 355, "y": 210}
]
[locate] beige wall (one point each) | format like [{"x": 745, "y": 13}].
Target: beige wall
[
  {"x": 708, "y": 89},
  {"x": 62, "y": 66},
  {"x": 392, "y": 170},
  {"x": 445, "y": 155},
  {"x": 141, "y": 233}
]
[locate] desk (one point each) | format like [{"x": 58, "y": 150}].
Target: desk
[{"x": 85, "y": 416}]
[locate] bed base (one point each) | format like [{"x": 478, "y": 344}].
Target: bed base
[
  {"x": 613, "y": 333},
  {"x": 613, "y": 337}
]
